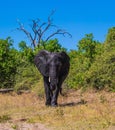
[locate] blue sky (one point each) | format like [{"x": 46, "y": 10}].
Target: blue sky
[{"x": 78, "y": 17}]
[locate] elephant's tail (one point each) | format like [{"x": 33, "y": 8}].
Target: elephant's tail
[{"x": 61, "y": 91}]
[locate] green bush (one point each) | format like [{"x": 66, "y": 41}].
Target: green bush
[
  {"x": 102, "y": 72},
  {"x": 27, "y": 76},
  {"x": 92, "y": 65},
  {"x": 8, "y": 63},
  {"x": 78, "y": 66}
]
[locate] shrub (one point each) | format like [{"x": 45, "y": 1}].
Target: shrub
[
  {"x": 8, "y": 63},
  {"x": 102, "y": 71}
]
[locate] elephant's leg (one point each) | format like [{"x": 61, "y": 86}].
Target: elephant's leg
[
  {"x": 48, "y": 92},
  {"x": 56, "y": 92},
  {"x": 61, "y": 80},
  {"x": 55, "y": 97}
]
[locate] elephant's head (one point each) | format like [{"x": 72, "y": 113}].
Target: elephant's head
[{"x": 51, "y": 65}]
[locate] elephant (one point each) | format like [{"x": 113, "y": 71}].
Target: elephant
[{"x": 54, "y": 67}]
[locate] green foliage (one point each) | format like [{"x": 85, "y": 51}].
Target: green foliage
[
  {"x": 27, "y": 76},
  {"x": 75, "y": 77},
  {"x": 51, "y": 45},
  {"x": 54, "y": 46},
  {"x": 79, "y": 66},
  {"x": 23, "y": 46},
  {"x": 87, "y": 46},
  {"x": 82, "y": 60},
  {"x": 110, "y": 36},
  {"x": 92, "y": 65},
  {"x": 8, "y": 63},
  {"x": 26, "y": 53},
  {"x": 16, "y": 66},
  {"x": 102, "y": 71},
  {"x": 101, "y": 74}
]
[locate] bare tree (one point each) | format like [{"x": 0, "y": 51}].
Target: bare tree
[{"x": 39, "y": 29}]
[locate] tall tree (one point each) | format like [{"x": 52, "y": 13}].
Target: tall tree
[
  {"x": 110, "y": 39},
  {"x": 111, "y": 35},
  {"x": 88, "y": 46},
  {"x": 39, "y": 30}
]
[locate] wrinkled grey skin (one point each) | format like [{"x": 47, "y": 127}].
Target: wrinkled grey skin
[{"x": 54, "y": 67}]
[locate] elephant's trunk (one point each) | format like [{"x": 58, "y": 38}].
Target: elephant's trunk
[
  {"x": 53, "y": 83},
  {"x": 53, "y": 80}
]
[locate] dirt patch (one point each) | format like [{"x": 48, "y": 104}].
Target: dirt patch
[{"x": 22, "y": 126}]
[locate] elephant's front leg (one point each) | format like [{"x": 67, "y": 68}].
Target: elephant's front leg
[
  {"x": 48, "y": 92},
  {"x": 55, "y": 97}
]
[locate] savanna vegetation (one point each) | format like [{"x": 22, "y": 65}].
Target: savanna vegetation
[
  {"x": 77, "y": 111},
  {"x": 92, "y": 63}
]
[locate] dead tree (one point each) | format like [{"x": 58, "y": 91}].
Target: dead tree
[
  {"x": 7, "y": 90},
  {"x": 39, "y": 29}
]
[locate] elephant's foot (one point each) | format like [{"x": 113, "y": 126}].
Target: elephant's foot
[
  {"x": 54, "y": 104},
  {"x": 48, "y": 103}
]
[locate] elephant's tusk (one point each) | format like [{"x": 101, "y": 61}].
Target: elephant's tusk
[{"x": 49, "y": 79}]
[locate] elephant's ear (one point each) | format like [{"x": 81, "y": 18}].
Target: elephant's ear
[
  {"x": 41, "y": 62},
  {"x": 64, "y": 57}
]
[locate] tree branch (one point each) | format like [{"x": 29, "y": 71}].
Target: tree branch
[
  {"x": 58, "y": 32},
  {"x": 40, "y": 28},
  {"x": 21, "y": 28}
]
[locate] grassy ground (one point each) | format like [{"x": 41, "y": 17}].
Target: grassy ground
[{"x": 76, "y": 111}]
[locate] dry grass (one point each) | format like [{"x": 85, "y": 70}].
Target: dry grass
[{"x": 76, "y": 111}]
